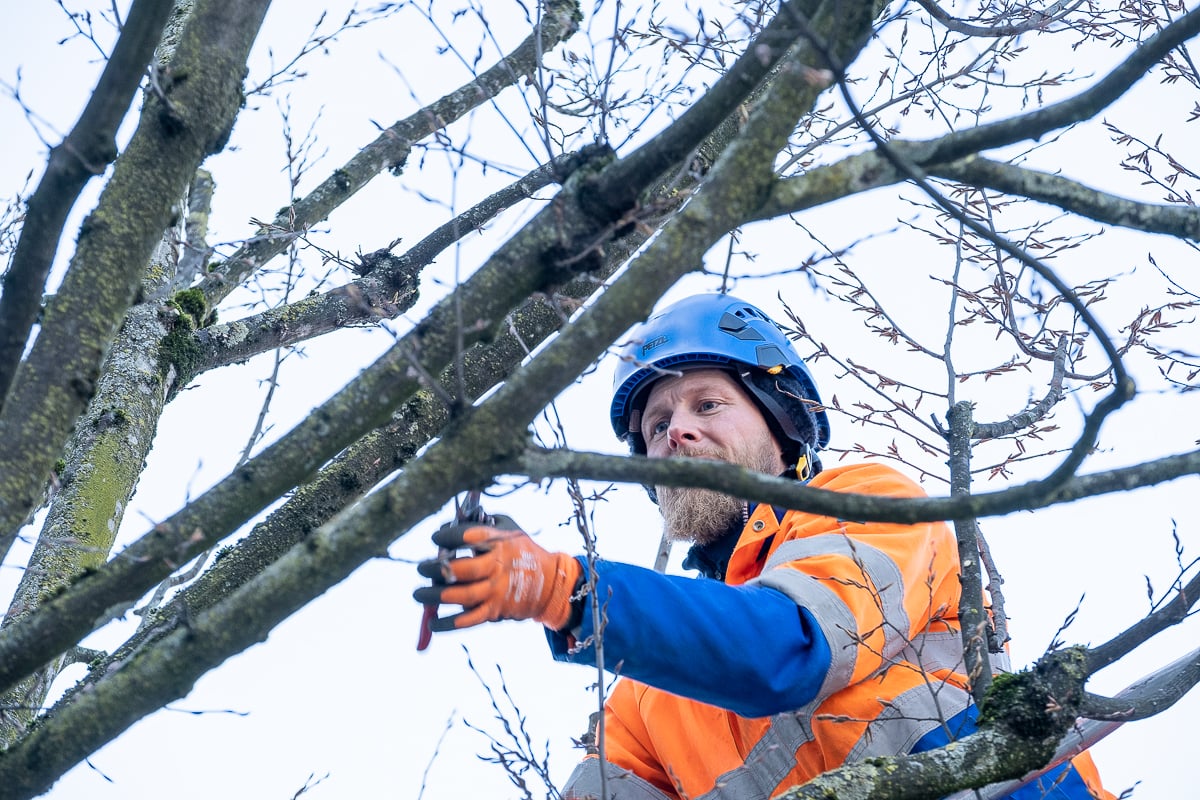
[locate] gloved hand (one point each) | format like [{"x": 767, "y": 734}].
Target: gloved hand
[{"x": 508, "y": 576}]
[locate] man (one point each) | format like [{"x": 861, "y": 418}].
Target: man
[{"x": 809, "y": 643}]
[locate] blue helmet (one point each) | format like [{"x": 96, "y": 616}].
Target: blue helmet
[{"x": 717, "y": 330}]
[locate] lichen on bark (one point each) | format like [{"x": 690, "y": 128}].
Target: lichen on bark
[
  {"x": 100, "y": 470},
  {"x": 188, "y": 120}
]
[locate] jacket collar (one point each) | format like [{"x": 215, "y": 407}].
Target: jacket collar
[{"x": 712, "y": 559}]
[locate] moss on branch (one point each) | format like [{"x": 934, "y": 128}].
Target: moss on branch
[{"x": 179, "y": 126}]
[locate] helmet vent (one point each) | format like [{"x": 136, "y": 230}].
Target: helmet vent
[
  {"x": 751, "y": 311},
  {"x": 770, "y": 356},
  {"x": 737, "y": 328}
]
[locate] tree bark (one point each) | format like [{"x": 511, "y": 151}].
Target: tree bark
[
  {"x": 88, "y": 149},
  {"x": 189, "y": 121}
]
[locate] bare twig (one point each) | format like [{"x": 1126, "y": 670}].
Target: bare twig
[{"x": 1038, "y": 19}]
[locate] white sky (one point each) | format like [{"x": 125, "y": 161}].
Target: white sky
[{"x": 338, "y": 690}]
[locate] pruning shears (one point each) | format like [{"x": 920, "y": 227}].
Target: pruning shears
[{"x": 466, "y": 510}]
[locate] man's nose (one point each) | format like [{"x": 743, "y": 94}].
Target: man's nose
[{"x": 682, "y": 431}]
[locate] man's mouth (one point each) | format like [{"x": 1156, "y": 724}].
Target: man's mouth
[{"x": 714, "y": 455}]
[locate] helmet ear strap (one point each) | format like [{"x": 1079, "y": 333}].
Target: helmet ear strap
[
  {"x": 798, "y": 453},
  {"x": 775, "y": 409},
  {"x": 807, "y": 464}
]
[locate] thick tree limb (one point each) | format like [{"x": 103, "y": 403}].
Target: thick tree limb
[
  {"x": 1020, "y": 733},
  {"x": 195, "y": 250},
  {"x": 102, "y": 463},
  {"x": 1158, "y": 691},
  {"x": 1030, "y": 731},
  {"x": 977, "y": 760},
  {"x": 1152, "y": 695},
  {"x": 104, "y": 458},
  {"x": 190, "y": 121},
  {"x": 88, "y": 149},
  {"x": 867, "y": 171}
]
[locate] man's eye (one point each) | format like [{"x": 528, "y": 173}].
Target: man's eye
[
  {"x": 709, "y": 405},
  {"x": 657, "y": 429}
]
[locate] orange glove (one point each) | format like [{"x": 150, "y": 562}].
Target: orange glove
[{"x": 508, "y": 576}]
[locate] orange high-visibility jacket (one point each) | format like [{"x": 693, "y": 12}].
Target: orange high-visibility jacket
[{"x": 886, "y": 599}]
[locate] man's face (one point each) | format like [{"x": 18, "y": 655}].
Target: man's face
[{"x": 705, "y": 413}]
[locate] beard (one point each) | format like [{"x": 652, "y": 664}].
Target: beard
[{"x": 702, "y": 516}]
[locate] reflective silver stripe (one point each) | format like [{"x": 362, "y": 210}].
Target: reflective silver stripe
[
  {"x": 908, "y": 717},
  {"x": 834, "y": 616},
  {"x": 934, "y": 650},
  {"x": 878, "y": 567},
  {"x": 942, "y": 649},
  {"x": 899, "y": 726},
  {"x": 769, "y": 761},
  {"x": 584, "y": 783}
]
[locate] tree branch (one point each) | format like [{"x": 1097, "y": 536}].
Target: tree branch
[
  {"x": 871, "y": 170},
  {"x": 972, "y": 615},
  {"x": 1181, "y": 221},
  {"x": 1149, "y": 696},
  {"x": 390, "y": 150},
  {"x": 1142, "y": 631},
  {"x": 540, "y": 464},
  {"x": 88, "y": 149},
  {"x": 190, "y": 121},
  {"x": 1018, "y": 422},
  {"x": 1087, "y": 104},
  {"x": 387, "y": 289},
  {"x": 1039, "y": 20}
]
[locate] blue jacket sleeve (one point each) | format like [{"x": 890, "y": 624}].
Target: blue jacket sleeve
[{"x": 749, "y": 649}]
